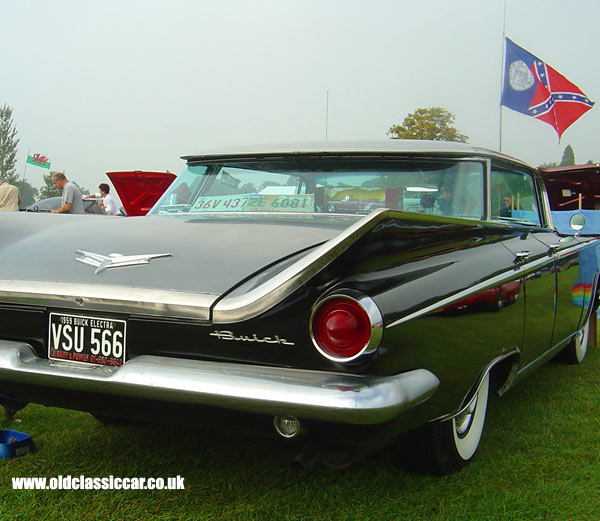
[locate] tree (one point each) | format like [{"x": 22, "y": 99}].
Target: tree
[
  {"x": 84, "y": 191},
  {"x": 28, "y": 193},
  {"x": 434, "y": 123},
  {"x": 48, "y": 189},
  {"x": 8, "y": 145},
  {"x": 568, "y": 157}
]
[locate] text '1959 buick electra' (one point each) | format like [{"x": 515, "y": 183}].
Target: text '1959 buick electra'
[{"x": 343, "y": 293}]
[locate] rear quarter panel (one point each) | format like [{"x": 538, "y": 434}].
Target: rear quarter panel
[{"x": 420, "y": 276}]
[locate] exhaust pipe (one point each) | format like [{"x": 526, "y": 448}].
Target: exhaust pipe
[
  {"x": 307, "y": 460},
  {"x": 332, "y": 457}
]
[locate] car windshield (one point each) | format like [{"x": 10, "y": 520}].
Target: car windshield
[{"x": 357, "y": 186}]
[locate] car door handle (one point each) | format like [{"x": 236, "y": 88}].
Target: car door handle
[
  {"x": 521, "y": 256},
  {"x": 561, "y": 243}
]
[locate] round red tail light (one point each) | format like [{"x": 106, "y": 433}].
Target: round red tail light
[{"x": 343, "y": 328}]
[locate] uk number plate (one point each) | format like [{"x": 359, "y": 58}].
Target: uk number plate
[{"x": 90, "y": 340}]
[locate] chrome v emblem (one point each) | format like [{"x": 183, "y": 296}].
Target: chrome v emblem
[{"x": 115, "y": 260}]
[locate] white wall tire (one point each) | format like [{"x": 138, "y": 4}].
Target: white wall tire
[
  {"x": 467, "y": 427},
  {"x": 581, "y": 343},
  {"x": 446, "y": 447},
  {"x": 576, "y": 351}
]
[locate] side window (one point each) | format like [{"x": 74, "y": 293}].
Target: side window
[
  {"x": 514, "y": 196},
  {"x": 468, "y": 190}
]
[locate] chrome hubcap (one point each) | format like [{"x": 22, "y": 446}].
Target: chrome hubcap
[
  {"x": 581, "y": 344},
  {"x": 463, "y": 421}
]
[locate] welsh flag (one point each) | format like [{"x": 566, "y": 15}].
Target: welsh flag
[{"x": 39, "y": 160}]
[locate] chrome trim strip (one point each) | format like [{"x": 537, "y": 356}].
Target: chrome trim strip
[
  {"x": 593, "y": 297},
  {"x": 516, "y": 273},
  {"x": 318, "y": 395},
  {"x": 487, "y": 192},
  {"x": 568, "y": 251},
  {"x": 546, "y": 204},
  {"x": 108, "y": 298}
]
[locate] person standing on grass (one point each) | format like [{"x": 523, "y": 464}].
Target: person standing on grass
[
  {"x": 9, "y": 196},
  {"x": 71, "y": 196}
]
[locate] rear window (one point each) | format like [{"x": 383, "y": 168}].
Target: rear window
[{"x": 445, "y": 187}]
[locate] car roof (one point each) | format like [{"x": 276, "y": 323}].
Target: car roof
[
  {"x": 571, "y": 169},
  {"x": 350, "y": 148}
]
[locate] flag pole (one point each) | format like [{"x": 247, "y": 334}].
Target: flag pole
[
  {"x": 25, "y": 169},
  {"x": 327, "y": 116},
  {"x": 502, "y": 73}
]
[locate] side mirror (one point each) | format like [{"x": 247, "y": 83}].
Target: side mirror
[{"x": 577, "y": 222}]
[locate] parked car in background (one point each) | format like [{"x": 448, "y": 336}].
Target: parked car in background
[
  {"x": 139, "y": 190},
  {"x": 238, "y": 304},
  {"x": 574, "y": 189},
  {"x": 349, "y": 205},
  {"x": 90, "y": 206}
]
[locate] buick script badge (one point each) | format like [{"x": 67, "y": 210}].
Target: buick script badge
[
  {"x": 228, "y": 335},
  {"x": 115, "y": 260}
]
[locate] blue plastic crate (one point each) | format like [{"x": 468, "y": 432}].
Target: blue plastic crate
[{"x": 14, "y": 443}]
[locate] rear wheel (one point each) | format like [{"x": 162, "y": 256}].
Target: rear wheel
[
  {"x": 575, "y": 352},
  {"x": 449, "y": 445},
  {"x": 467, "y": 427}
]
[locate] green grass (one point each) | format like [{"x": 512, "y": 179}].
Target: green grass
[{"x": 539, "y": 460}]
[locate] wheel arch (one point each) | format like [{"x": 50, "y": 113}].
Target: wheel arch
[
  {"x": 594, "y": 302},
  {"x": 502, "y": 370}
]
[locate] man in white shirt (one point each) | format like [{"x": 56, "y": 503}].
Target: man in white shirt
[{"x": 108, "y": 203}]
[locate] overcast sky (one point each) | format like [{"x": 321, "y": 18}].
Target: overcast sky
[{"x": 135, "y": 84}]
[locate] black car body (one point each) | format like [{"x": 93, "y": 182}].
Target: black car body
[{"x": 235, "y": 305}]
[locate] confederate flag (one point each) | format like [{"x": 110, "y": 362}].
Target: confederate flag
[{"x": 536, "y": 89}]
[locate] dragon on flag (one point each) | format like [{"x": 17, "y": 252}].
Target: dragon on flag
[{"x": 39, "y": 160}]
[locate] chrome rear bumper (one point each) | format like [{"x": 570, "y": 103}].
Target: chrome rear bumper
[{"x": 258, "y": 389}]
